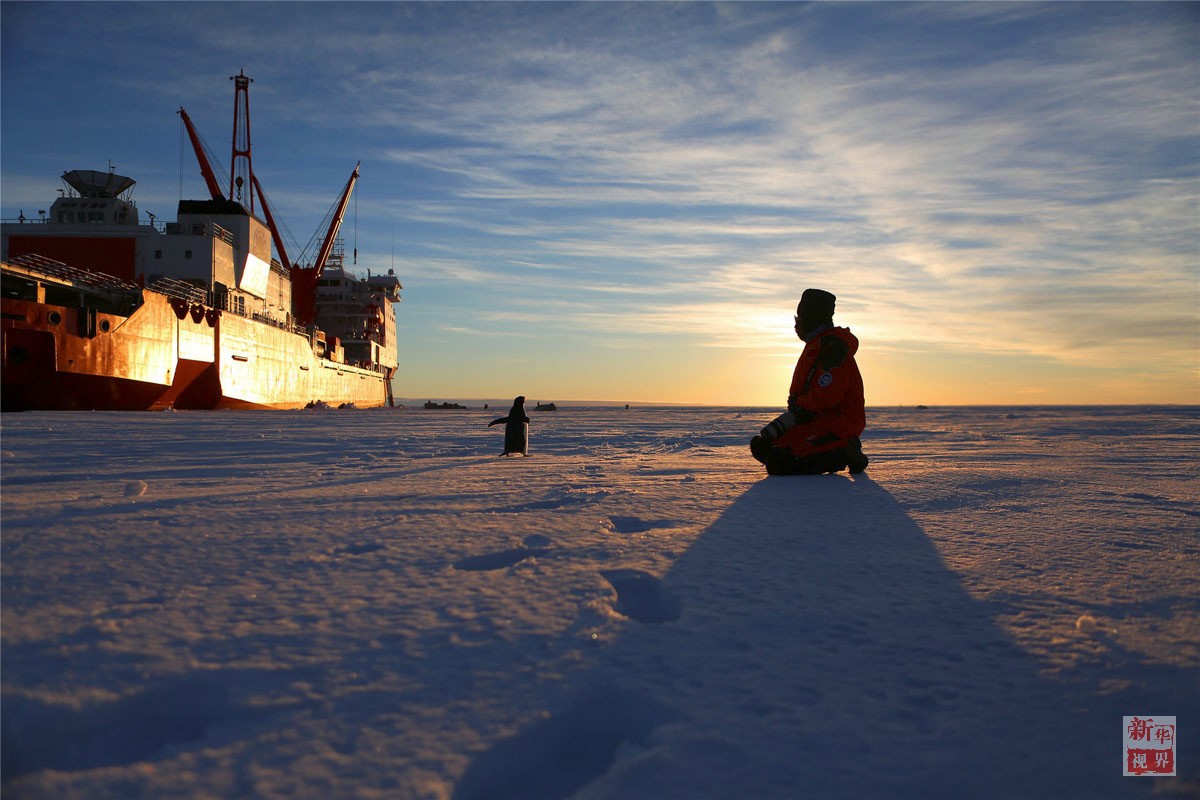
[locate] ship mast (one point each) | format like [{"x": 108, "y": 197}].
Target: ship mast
[{"x": 241, "y": 173}]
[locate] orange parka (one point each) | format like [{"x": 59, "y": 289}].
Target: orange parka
[{"x": 826, "y": 394}]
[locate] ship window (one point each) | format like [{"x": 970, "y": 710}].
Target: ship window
[
  {"x": 158, "y": 253},
  {"x": 81, "y": 216},
  {"x": 54, "y": 318},
  {"x": 187, "y": 253},
  {"x": 95, "y": 216},
  {"x": 65, "y": 216}
]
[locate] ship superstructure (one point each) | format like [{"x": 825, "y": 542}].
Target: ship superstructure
[{"x": 104, "y": 310}]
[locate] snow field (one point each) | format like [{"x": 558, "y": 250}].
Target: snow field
[{"x": 373, "y": 604}]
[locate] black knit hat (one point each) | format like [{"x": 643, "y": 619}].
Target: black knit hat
[{"x": 816, "y": 305}]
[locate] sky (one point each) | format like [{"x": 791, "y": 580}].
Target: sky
[{"x": 624, "y": 202}]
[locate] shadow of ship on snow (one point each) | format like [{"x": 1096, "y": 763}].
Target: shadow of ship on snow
[{"x": 813, "y": 641}]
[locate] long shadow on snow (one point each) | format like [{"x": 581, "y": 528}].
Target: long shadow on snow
[{"x": 820, "y": 648}]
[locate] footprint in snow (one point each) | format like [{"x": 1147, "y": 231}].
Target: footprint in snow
[
  {"x": 642, "y": 597},
  {"x": 533, "y": 545},
  {"x": 557, "y": 756},
  {"x": 135, "y": 488},
  {"x": 40, "y": 736},
  {"x": 639, "y": 525},
  {"x": 630, "y": 524}
]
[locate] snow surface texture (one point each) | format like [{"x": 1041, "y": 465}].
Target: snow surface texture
[{"x": 344, "y": 604}]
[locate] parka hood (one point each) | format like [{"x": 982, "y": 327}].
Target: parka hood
[
  {"x": 832, "y": 330},
  {"x": 845, "y": 335}
]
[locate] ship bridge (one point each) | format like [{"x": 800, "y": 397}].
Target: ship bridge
[{"x": 95, "y": 197}]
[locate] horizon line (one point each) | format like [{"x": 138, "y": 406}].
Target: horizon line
[{"x": 680, "y": 404}]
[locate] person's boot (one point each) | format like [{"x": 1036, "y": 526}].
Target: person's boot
[
  {"x": 759, "y": 447},
  {"x": 836, "y": 461},
  {"x": 855, "y": 458}
]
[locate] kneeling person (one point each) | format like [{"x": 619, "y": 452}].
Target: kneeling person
[{"x": 820, "y": 430}]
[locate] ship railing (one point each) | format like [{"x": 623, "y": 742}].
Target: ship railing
[
  {"x": 286, "y": 325},
  {"x": 161, "y": 227},
  {"x": 181, "y": 290},
  {"x": 224, "y": 302},
  {"x": 224, "y": 235},
  {"x": 91, "y": 279}
]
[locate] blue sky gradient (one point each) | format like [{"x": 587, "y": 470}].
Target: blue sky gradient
[{"x": 624, "y": 201}]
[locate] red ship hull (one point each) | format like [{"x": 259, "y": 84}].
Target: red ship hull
[{"x": 167, "y": 354}]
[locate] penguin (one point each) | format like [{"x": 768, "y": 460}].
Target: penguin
[{"x": 516, "y": 429}]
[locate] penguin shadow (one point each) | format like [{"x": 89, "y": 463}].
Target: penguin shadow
[{"x": 810, "y": 640}]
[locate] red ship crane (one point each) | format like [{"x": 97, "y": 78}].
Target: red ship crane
[
  {"x": 242, "y": 172},
  {"x": 206, "y": 169},
  {"x": 304, "y": 279},
  {"x": 241, "y": 147},
  {"x": 275, "y": 237}
]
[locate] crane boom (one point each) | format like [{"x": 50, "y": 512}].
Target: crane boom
[
  {"x": 304, "y": 279},
  {"x": 336, "y": 223},
  {"x": 283, "y": 256},
  {"x": 206, "y": 170}
]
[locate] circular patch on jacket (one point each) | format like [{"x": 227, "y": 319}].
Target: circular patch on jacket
[{"x": 825, "y": 379}]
